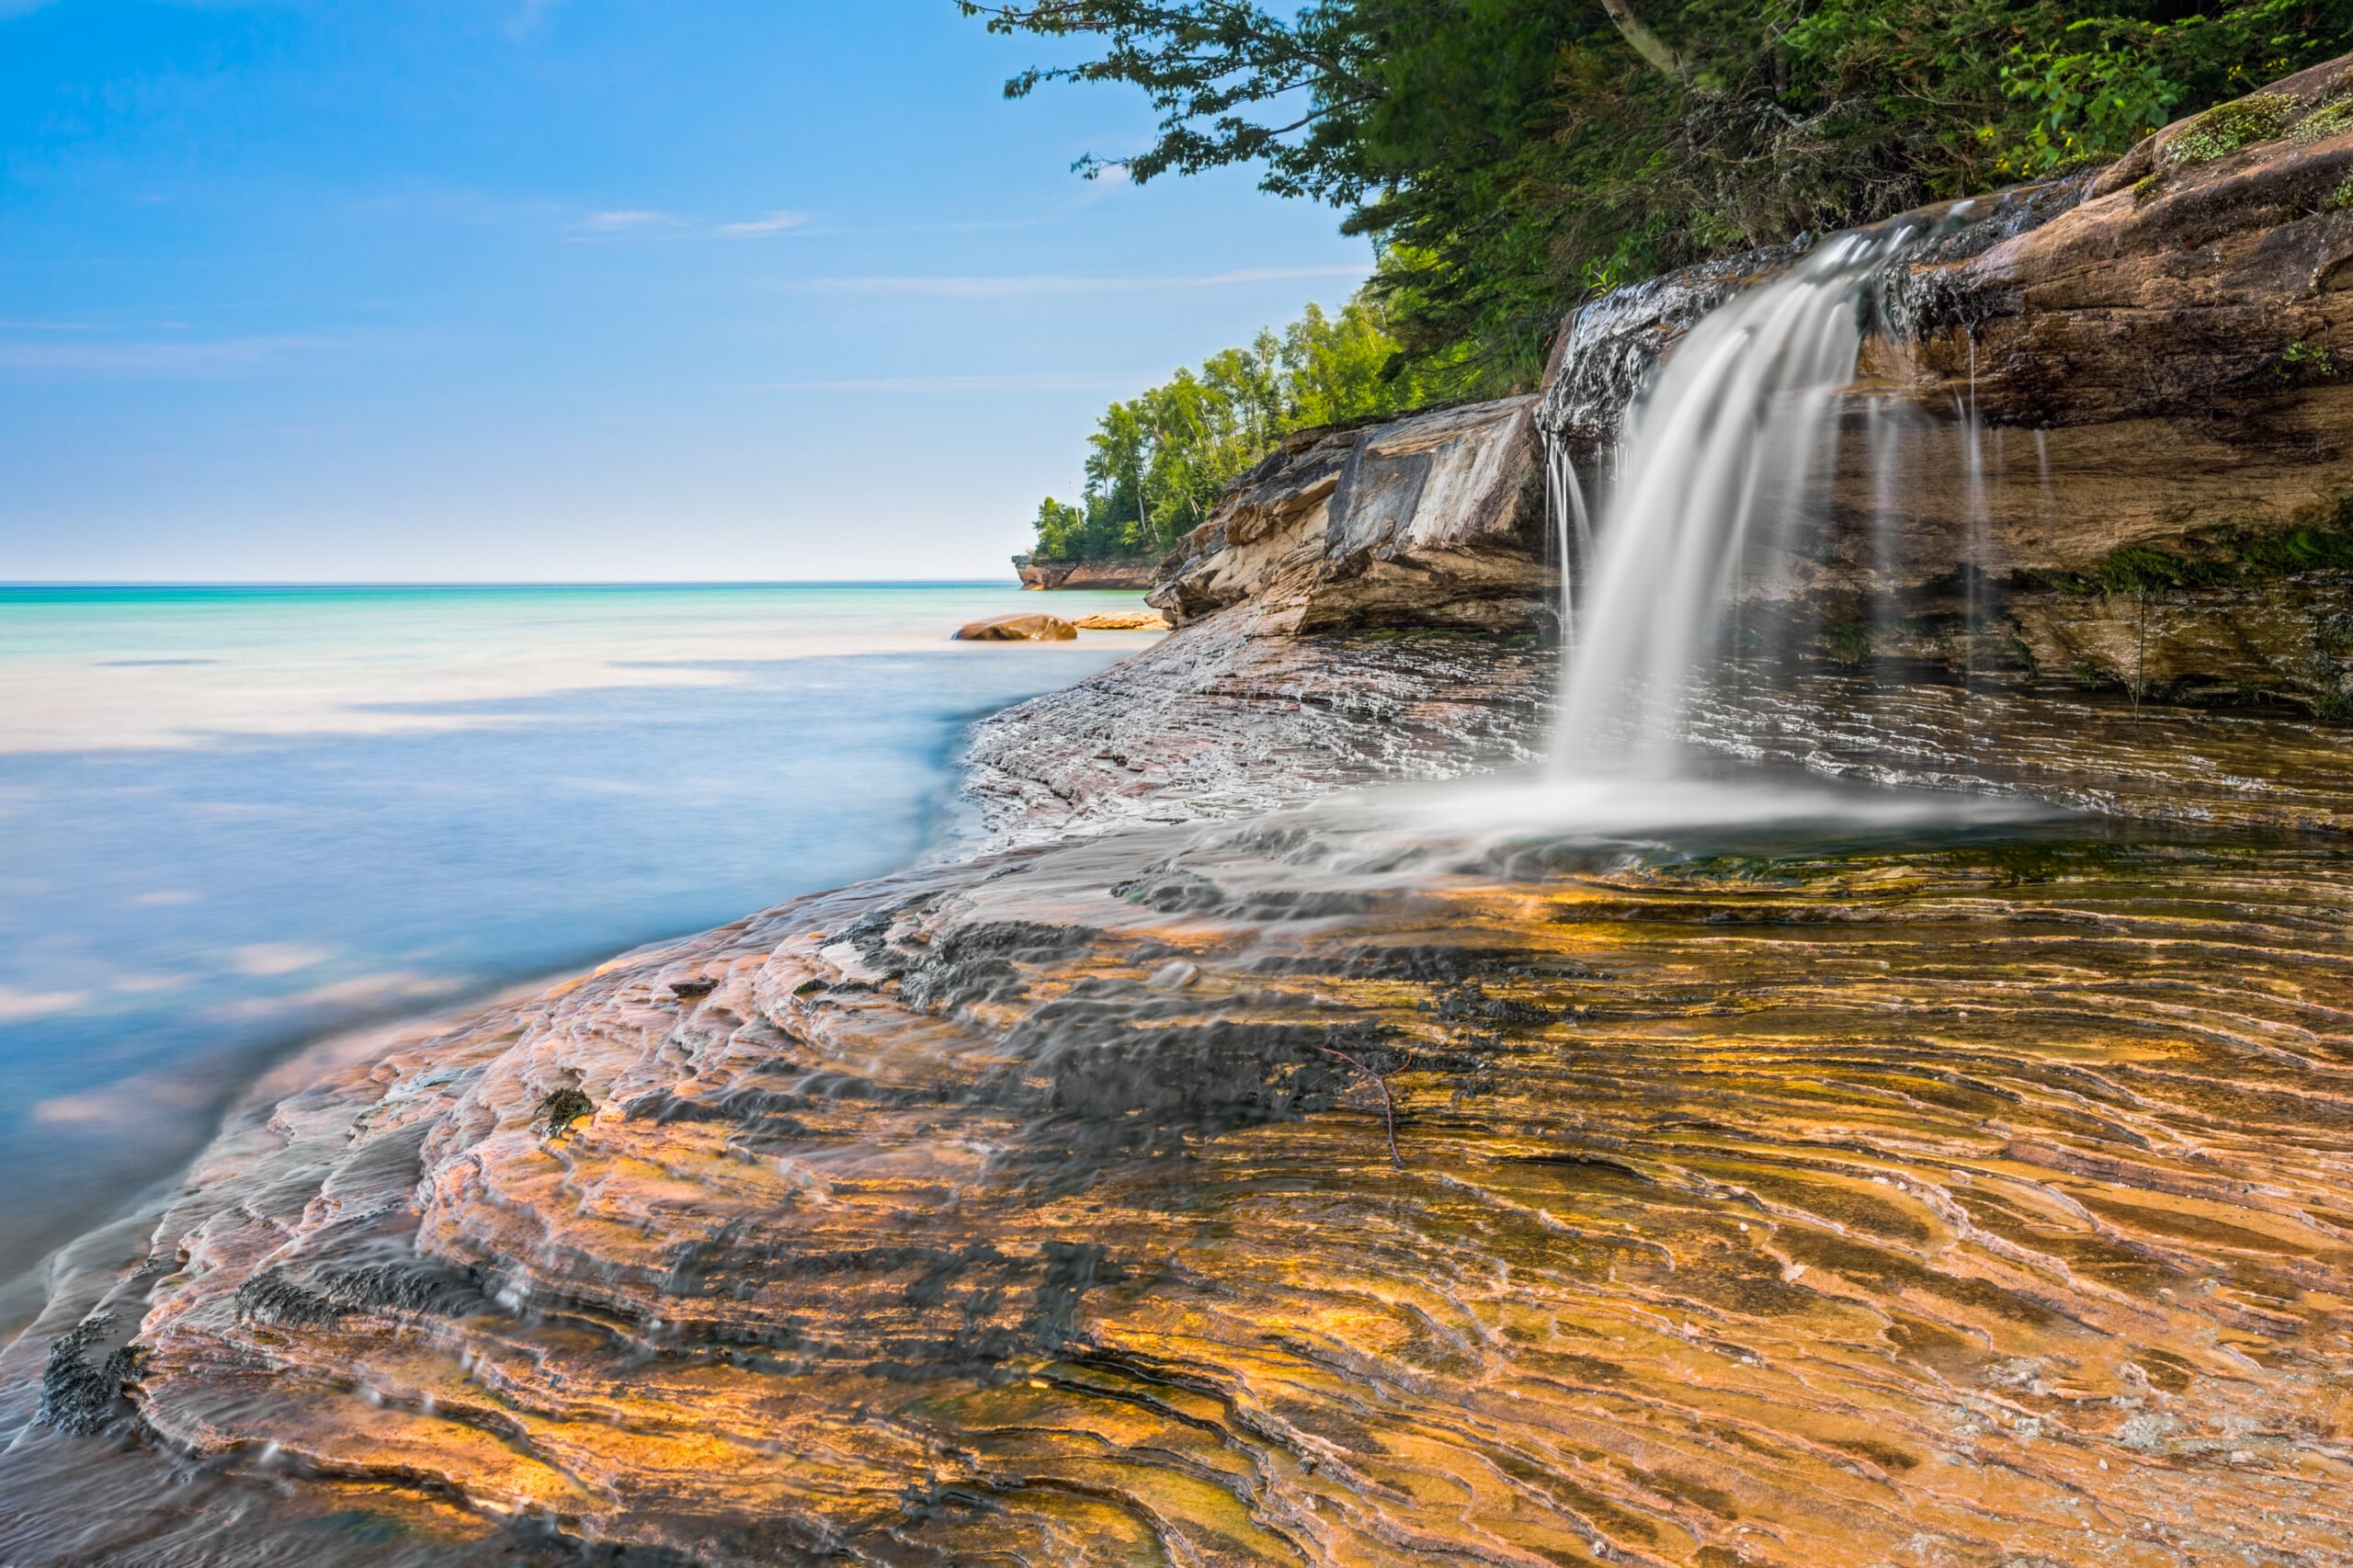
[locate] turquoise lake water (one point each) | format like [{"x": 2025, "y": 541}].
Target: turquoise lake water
[{"x": 238, "y": 818}]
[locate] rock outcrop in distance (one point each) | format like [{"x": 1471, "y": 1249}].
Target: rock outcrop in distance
[{"x": 1125, "y": 577}]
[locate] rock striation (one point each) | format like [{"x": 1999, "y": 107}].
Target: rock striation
[
  {"x": 2104, "y": 432},
  {"x": 1429, "y": 521},
  {"x": 1231, "y": 714},
  {"x": 1982, "y": 1208},
  {"x": 1125, "y": 577}
]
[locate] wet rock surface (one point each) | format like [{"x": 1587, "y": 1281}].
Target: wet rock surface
[
  {"x": 2103, "y": 426},
  {"x": 1231, "y": 715},
  {"x": 1973, "y": 1202}
]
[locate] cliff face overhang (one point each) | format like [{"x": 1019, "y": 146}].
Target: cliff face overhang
[
  {"x": 2102, "y": 433},
  {"x": 1118, "y": 575},
  {"x": 1429, "y": 521}
]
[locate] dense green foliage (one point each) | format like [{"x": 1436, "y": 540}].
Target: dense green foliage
[
  {"x": 1510, "y": 157},
  {"x": 1156, "y": 462}
]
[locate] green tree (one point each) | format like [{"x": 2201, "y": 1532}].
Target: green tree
[
  {"x": 1510, "y": 158},
  {"x": 1157, "y": 462}
]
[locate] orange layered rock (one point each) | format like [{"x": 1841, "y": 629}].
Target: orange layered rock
[{"x": 1986, "y": 1206}]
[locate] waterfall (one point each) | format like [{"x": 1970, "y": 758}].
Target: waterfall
[{"x": 1719, "y": 450}]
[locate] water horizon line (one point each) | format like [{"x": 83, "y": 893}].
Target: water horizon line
[{"x": 281, "y": 584}]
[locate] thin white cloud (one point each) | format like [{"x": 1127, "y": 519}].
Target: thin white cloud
[
  {"x": 1043, "y": 381},
  {"x": 1058, "y": 283},
  {"x": 615, "y": 222},
  {"x": 774, "y": 224},
  {"x": 159, "y": 358}
]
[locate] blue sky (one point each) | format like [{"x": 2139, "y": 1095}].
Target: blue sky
[{"x": 553, "y": 290}]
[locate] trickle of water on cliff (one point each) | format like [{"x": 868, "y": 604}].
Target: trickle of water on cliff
[{"x": 1714, "y": 484}]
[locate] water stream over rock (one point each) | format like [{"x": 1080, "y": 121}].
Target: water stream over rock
[
  {"x": 1715, "y": 486},
  {"x": 1645, "y": 1157}
]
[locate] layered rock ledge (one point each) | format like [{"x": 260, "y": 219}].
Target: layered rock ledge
[{"x": 1971, "y": 1207}]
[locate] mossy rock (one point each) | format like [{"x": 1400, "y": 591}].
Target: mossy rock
[
  {"x": 2332, "y": 119},
  {"x": 2226, "y": 128}
]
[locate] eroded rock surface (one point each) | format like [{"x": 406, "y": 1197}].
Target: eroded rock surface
[
  {"x": 2103, "y": 431},
  {"x": 1430, "y": 520},
  {"x": 1123, "y": 575},
  {"x": 1977, "y": 1205},
  {"x": 1230, "y": 715}
]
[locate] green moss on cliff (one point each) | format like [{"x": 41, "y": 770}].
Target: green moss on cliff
[
  {"x": 2319, "y": 538},
  {"x": 2226, "y": 128},
  {"x": 2332, "y": 119}
]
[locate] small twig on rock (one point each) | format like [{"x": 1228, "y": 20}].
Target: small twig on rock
[{"x": 1388, "y": 1106}]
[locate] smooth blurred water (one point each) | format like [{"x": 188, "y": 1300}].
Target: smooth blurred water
[{"x": 236, "y": 818}]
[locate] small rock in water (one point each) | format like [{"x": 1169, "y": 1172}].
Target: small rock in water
[
  {"x": 1018, "y": 629},
  {"x": 1123, "y": 620},
  {"x": 1174, "y": 976}
]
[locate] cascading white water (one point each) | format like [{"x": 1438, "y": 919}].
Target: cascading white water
[{"x": 1720, "y": 447}]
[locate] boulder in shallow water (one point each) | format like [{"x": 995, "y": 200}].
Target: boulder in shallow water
[{"x": 1018, "y": 629}]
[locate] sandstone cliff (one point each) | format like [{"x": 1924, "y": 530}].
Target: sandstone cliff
[
  {"x": 1126, "y": 576},
  {"x": 2104, "y": 432}
]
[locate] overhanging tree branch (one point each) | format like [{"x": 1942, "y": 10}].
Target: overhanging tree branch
[
  {"x": 1205, "y": 65},
  {"x": 1644, "y": 43}
]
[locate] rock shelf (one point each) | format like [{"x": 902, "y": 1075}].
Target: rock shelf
[{"x": 1974, "y": 1205}]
